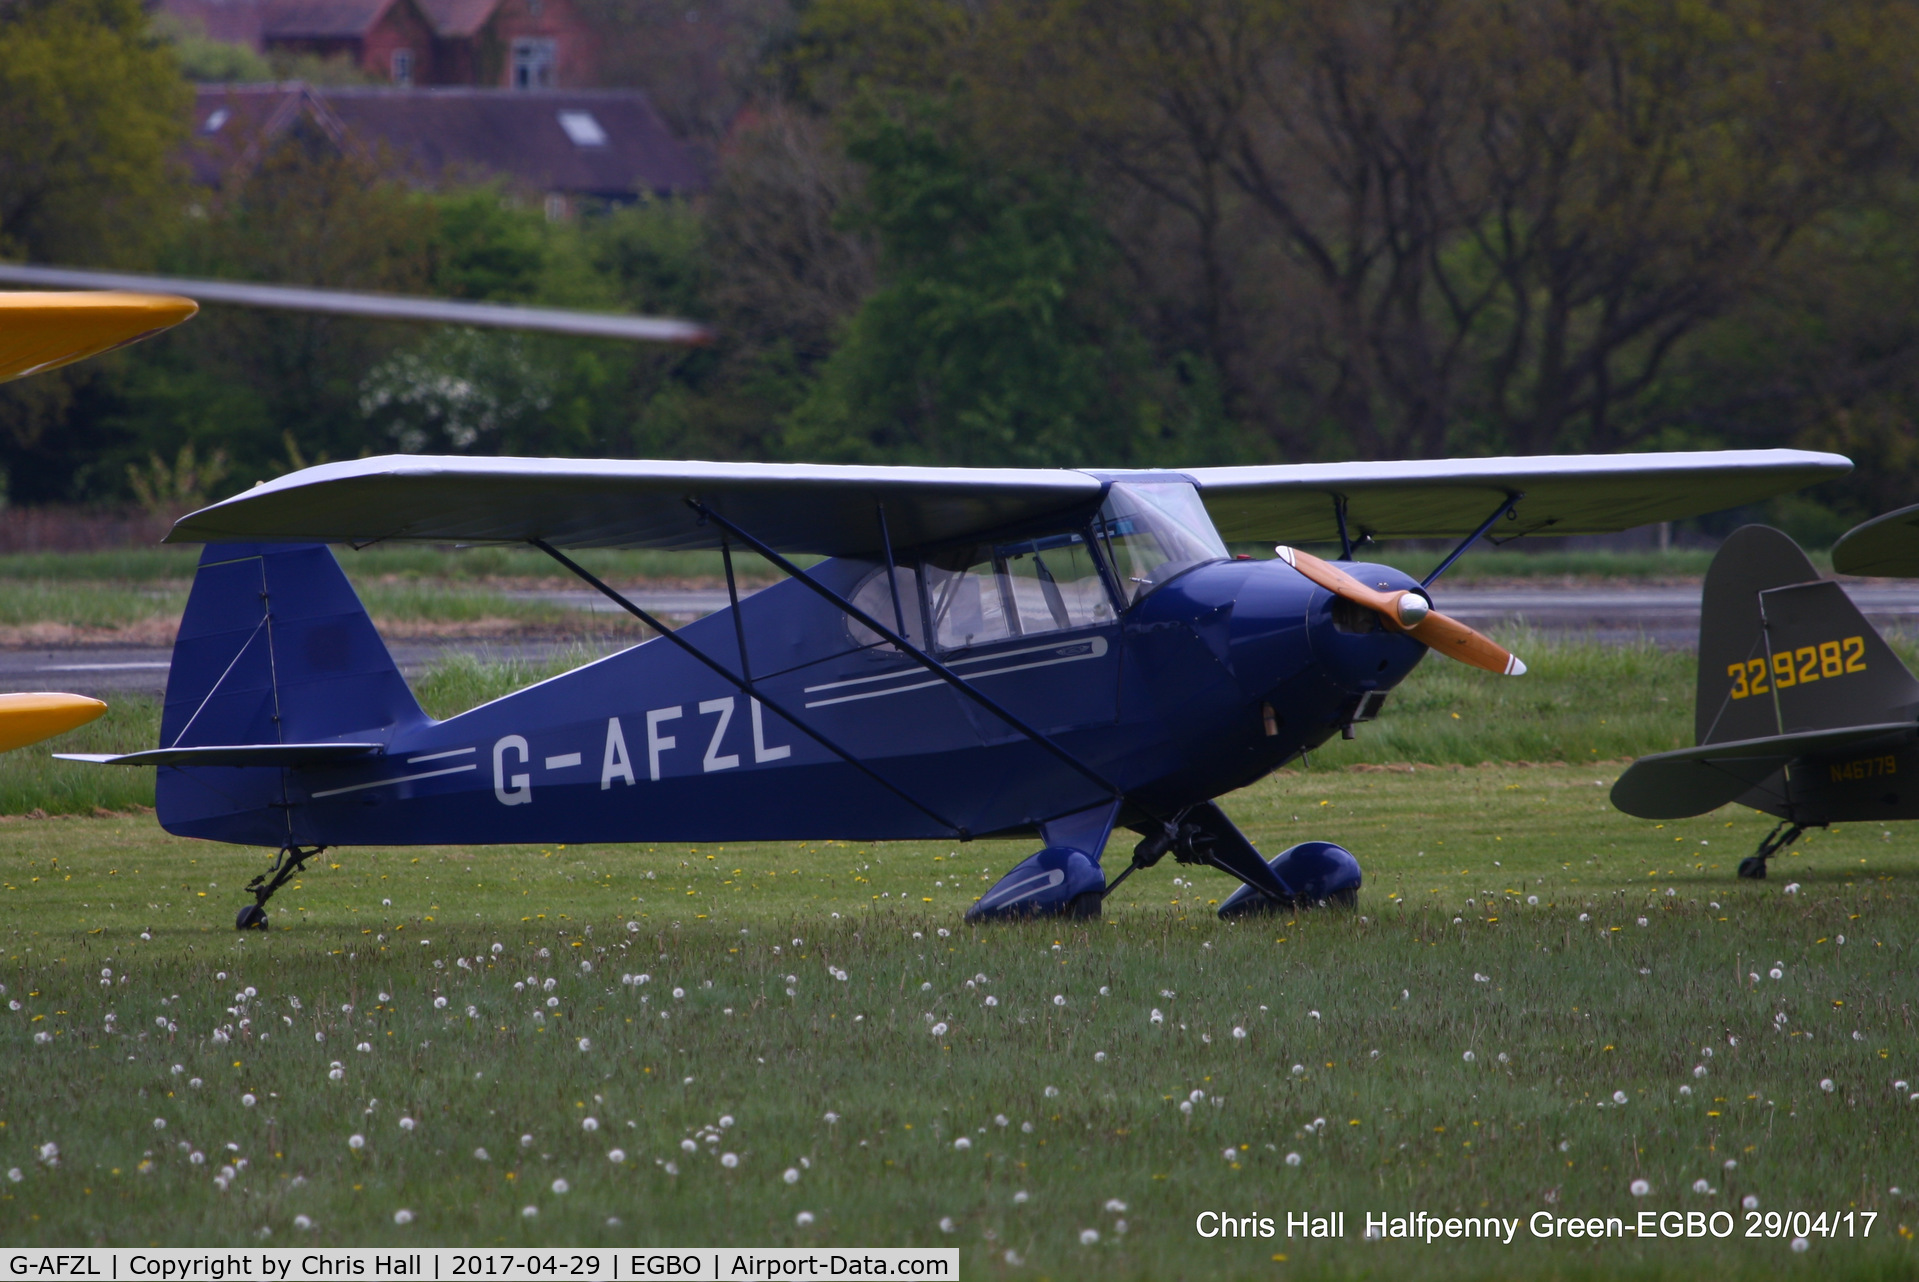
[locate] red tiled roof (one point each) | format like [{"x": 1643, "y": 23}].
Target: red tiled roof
[
  {"x": 322, "y": 19},
  {"x": 462, "y": 133},
  {"x": 457, "y": 19}
]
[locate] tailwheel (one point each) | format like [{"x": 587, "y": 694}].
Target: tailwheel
[
  {"x": 1752, "y": 868},
  {"x": 286, "y": 865}
]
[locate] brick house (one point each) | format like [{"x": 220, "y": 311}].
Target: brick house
[{"x": 509, "y": 44}]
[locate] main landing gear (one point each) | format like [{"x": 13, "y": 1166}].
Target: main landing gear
[
  {"x": 1063, "y": 881},
  {"x": 286, "y": 865},
  {"x": 1753, "y": 866}
]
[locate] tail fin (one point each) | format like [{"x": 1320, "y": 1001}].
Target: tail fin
[
  {"x": 1781, "y": 650},
  {"x": 274, "y": 647}
]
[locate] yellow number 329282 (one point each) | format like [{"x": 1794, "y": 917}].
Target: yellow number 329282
[{"x": 1798, "y": 667}]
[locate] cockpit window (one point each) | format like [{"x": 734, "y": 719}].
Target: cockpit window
[
  {"x": 987, "y": 593},
  {"x": 1153, "y": 532},
  {"x": 874, "y": 596}
]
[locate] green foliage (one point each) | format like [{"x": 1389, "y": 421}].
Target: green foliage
[
  {"x": 92, "y": 111},
  {"x": 209, "y": 61},
  {"x": 994, "y": 336}
]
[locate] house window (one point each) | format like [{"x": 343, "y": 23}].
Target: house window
[
  {"x": 536, "y": 64},
  {"x": 403, "y": 66}
]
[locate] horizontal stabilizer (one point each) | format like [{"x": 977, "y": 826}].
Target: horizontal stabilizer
[
  {"x": 1692, "y": 781},
  {"x": 235, "y": 754},
  {"x": 1886, "y": 545}
]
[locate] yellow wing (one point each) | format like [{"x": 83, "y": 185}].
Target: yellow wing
[
  {"x": 42, "y": 331},
  {"x": 29, "y": 718}
]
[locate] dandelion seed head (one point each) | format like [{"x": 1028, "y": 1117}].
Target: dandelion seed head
[
  {"x": 1088, "y": 1237},
  {"x": 561, "y": 1186},
  {"x": 356, "y": 1142},
  {"x": 1293, "y": 1159},
  {"x": 1641, "y": 1188},
  {"x": 403, "y": 1216},
  {"x": 729, "y": 1160}
]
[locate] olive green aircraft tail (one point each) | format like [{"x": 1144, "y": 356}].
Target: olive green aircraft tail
[{"x": 1783, "y": 651}]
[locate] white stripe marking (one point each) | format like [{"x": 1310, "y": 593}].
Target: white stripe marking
[
  {"x": 100, "y": 667},
  {"x": 562, "y": 762},
  {"x": 1098, "y": 645},
  {"x": 1093, "y": 652},
  {"x": 381, "y": 783},
  {"x": 441, "y": 756}
]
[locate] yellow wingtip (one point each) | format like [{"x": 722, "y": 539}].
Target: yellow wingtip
[{"x": 41, "y": 331}]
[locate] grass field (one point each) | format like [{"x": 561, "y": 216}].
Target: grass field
[{"x": 134, "y": 1010}]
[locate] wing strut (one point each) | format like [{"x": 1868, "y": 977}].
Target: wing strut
[
  {"x": 742, "y": 683},
  {"x": 1504, "y": 509},
  {"x": 924, "y": 659}
]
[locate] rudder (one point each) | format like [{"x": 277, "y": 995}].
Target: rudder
[
  {"x": 1782, "y": 650},
  {"x": 274, "y": 647}
]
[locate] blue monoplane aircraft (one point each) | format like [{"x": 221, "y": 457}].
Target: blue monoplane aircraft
[{"x": 983, "y": 653}]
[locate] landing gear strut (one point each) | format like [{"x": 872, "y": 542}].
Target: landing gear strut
[
  {"x": 1753, "y": 866},
  {"x": 286, "y": 865}
]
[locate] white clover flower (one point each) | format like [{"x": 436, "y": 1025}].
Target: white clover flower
[
  {"x": 1640, "y": 1188},
  {"x": 403, "y": 1216}
]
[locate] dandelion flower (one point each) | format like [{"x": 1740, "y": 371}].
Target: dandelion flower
[
  {"x": 939, "y": 1029},
  {"x": 159, "y": 1123},
  {"x": 688, "y": 1146},
  {"x": 403, "y": 1216},
  {"x": 439, "y": 1003},
  {"x": 1469, "y": 1057},
  {"x": 15, "y": 1174},
  {"x": 1698, "y": 1070},
  {"x": 1299, "y": 1070},
  {"x": 561, "y": 1186},
  {"x": 1640, "y": 1188},
  {"x": 1800, "y": 1245},
  {"x": 248, "y": 1101},
  {"x": 729, "y": 1160},
  {"x": 726, "y": 1120},
  {"x": 1619, "y": 1097},
  {"x": 1825, "y": 1084},
  {"x": 991, "y": 1000},
  {"x": 1751, "y": 1202},
  {"x": 356, "y": 1142},
  {"x": 335, "y": 1074},
  {"x": 589, "y": 1124},
  {"x": 791, "y": 1175},
  {"x": 1293, "y": 1159}
]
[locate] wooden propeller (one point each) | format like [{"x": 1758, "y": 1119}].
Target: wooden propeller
[{"x": 1409, "y": 612}]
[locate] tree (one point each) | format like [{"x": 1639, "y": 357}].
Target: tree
[
  {"x": 1417, "y": 227},
  {"x": 92, "y": 112},
  {"x": 990, "y": 338}
]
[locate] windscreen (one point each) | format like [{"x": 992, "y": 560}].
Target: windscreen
[{"x": 1153, "y": 532}]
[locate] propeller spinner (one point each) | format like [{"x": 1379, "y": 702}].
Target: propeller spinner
[{"x": 1410, "y": 613}]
